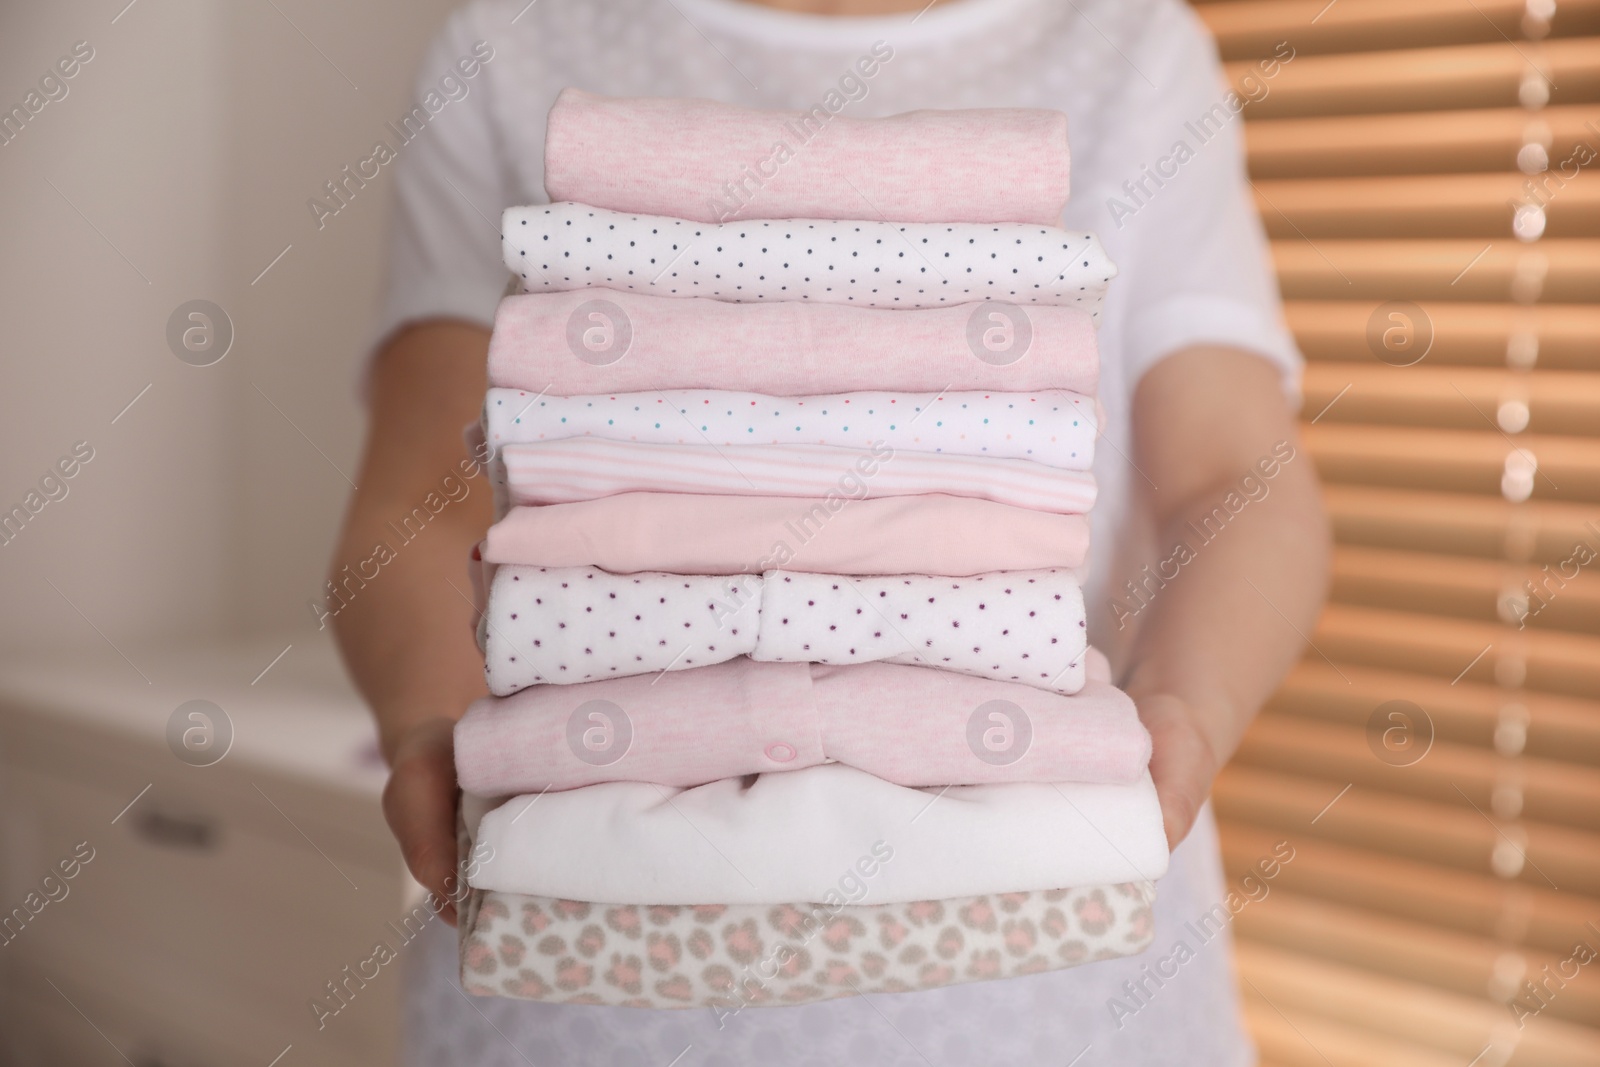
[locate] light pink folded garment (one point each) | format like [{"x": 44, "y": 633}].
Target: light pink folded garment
[
  {"x": 604, "y": 341},
  {"x": 711, "y": 162},
  {"x": 907, "y": 725},
  {"x": 586, "y": 468},
  {"x": 933, "y": 534}
]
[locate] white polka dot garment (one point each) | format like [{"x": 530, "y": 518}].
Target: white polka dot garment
[
  {"x": 564, "y": 625},
  {"x": 1055, "y": 428},
  {"x": 558, "y": 247},
  {"x": 1022, "y": 626}
]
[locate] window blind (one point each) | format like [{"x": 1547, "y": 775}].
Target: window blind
[{"x": 1429, "y": 174}]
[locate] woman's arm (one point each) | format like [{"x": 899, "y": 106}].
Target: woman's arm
[
  {"x": 1216, "y": 639},
  {"x": 406, "y": 633}
]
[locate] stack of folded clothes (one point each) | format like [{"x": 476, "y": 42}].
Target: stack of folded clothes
[{"x": 792, "y": 695}]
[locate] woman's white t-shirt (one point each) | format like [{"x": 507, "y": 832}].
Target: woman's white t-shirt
[{"x": 1157, "y": 172}]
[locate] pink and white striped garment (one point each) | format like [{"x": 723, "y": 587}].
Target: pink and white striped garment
[
  {"x": 608, "y": 341},
  {"x": 994, "y": 165},
  {"x": 1056, "y": 429},
  {"x": 586, "y": 468},
  {"x": 681, "y": 534}
]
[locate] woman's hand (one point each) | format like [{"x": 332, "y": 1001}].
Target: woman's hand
[
  {"x": 1216, "y": 444},
  {"x": 419, "y": 802},
  {"x": 1182, "y": 761},
  {"x": 406, "y": 633}
]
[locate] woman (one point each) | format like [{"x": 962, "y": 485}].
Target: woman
[{"x": 1198, "y": 382}]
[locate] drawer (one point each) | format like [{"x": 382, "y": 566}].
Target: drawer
[
  {"x": 187, "y": 903},
  {"x": 101, "y": 1030},
  {"x": 50, "y": 1032},
  {"x": 343, "y": 821}
]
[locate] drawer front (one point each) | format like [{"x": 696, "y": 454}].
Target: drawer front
[
  {"x": 78, "y": 1026},
  {"x": 183, "y": 903}
]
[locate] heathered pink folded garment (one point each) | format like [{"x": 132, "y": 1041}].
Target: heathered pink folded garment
[
  {"x": 711, "y": 162},
  {"x": 933, "y": 534},
  {"x": 605, "y": 341},
  {"x": 907, "y": 725},
  {"x": 585, "y": 468}
]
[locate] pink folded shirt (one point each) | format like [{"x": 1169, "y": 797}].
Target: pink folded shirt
[
  {"x": 932, "y": 534},
  {"x": 711, "y": 162},
  {"x": 585, "y": 468},
  {"x": 605, "y": 341},
  {"x": 904, "y": 724}
]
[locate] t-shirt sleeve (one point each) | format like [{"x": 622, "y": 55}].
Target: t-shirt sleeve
[
  {"x": 1179, "y": 217},
  {"x": 452, "y": 182}
]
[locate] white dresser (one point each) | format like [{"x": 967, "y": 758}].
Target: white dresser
[{"x": 220, "y": 899}]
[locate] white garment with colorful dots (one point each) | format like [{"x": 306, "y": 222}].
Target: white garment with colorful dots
[
  {"x": 557, "y": 247},
  {"x": 1054, "y": 428},
  {"x": 564, "y": 625}
]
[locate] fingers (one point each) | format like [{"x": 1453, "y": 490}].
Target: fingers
[
  {"x": 419, "y": 802},
  {"x": 1181, "y": 763}
]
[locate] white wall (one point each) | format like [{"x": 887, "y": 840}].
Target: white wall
[
  {"x": 296, "y": 123},
  {"x": 190, "y": 143}
]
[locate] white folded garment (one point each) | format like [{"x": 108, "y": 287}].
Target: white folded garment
[
  {"x": 564, "y": 246},
  {"x": 1056, "y": 429},
  {"x": 794, "y": 835}
]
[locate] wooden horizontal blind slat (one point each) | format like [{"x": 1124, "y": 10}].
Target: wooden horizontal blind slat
[
  {"x": 1460, "y": 460},
  {"x": 1424, "y": 79},
  {"x": 1402, "y": 1012},
  {"x": 1249, "y": 28},
  {"x": 1558, "y": 271},
  {"x": 1459, "y": 524},
  {"x": 1463, "y": 333},
  {"x": 1413, "y": 143},
  {"x": 1320, "y": 1042},
  {"x": 1452, "y": 836},
  {"x": 1422, "y": 205},
  {"x": 1428, "y": 166},
  {"x": 1548, "y": 725},
  {"x": 1487, "y": 590},
  {"x": 1448, "y": 960},
  {"x": 1407, "y": 889},
  {"x": 1553, "y": 790},
  {"x": 1450, "y": 648},
  {"x": 1547, "y": 401}
]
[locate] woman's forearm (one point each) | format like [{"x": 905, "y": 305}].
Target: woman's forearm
[
  {"x": 1235, "y": 615},
  {"x": 1225, "y": 609},
  {"x": 406, "y": 637},
  {"x": 401, "y": 605}
]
